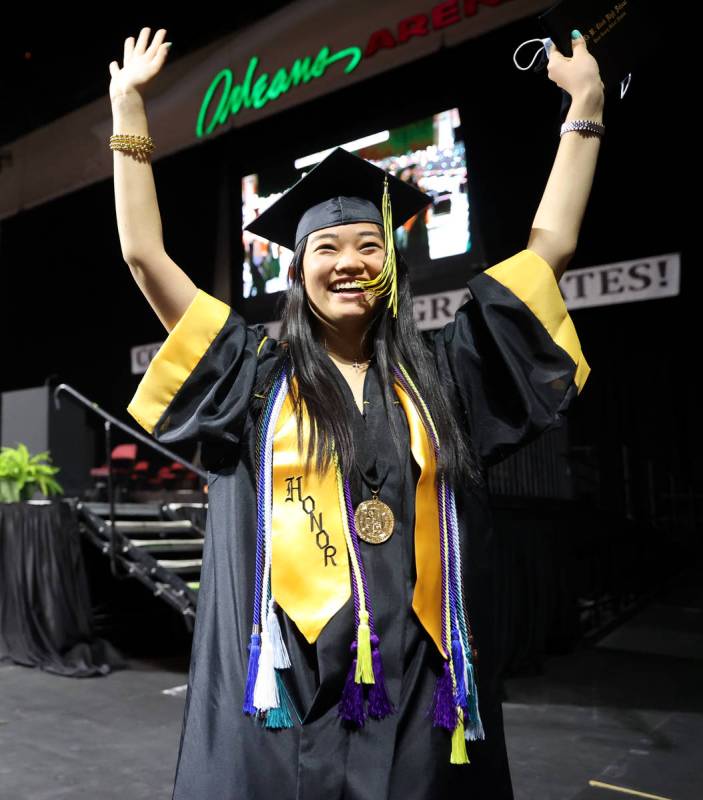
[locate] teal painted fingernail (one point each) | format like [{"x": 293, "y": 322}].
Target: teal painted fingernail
[{"x": 575, "y": 34}]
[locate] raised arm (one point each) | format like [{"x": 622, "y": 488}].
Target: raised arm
[
  {"x": 556, "y": 226},
  {"x": 165, "y": 285}
]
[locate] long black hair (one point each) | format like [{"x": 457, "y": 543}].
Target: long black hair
[{"x": 393, "y": 340}]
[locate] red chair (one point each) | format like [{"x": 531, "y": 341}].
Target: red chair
[{"x": 123, "y": 459}]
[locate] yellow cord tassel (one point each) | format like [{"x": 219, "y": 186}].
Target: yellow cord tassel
[
  {"x": 364, "y": 665},
  {"x": 459, "y": 754},
  {"x": 386, "y": 282}
]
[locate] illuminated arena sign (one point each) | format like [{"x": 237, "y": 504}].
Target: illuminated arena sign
[{"x": 224, "y": 98}]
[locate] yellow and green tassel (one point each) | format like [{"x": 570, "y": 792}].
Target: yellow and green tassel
[{"x": 386, "y": 282}]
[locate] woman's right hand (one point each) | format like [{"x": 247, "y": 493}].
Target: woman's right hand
[{"x": 141, "y": 63}]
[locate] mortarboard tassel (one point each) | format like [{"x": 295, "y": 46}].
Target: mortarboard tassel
[{"x": 386, "y": 282}]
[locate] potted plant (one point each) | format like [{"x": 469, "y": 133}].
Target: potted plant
[{"x": 21, "y": 474}]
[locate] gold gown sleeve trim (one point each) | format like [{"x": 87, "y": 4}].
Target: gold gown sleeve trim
[
  {"x": 177, "y": 357},
  {"x": 530, "y": 278}
]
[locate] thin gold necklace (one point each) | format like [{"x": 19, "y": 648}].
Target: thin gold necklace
[{"x": 357, "y": 365}]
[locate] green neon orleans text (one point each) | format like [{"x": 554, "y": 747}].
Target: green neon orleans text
[{"x": 255, "y": 92}]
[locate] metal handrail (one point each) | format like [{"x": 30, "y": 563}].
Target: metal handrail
[{"x": 109, "y": 421}]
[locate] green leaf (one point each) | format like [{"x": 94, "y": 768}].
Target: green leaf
[{"x": 19, "y": 471}]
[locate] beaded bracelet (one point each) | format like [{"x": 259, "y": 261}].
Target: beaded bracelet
[
  {"x": 132, "y": 143},
  {"x": 583, "y": 125}
]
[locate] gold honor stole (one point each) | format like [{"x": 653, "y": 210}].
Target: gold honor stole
[{"x": 310, "y": 576}]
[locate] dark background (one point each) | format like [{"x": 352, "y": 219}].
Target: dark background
[{"x": 72, "y": 310}]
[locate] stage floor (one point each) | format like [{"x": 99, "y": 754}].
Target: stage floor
[{"x": 598, "y": 723}]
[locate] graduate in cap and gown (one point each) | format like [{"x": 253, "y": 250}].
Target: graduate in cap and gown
[
  {"x": 343, "y": 643},
  {"x": 343, "y": 638}
]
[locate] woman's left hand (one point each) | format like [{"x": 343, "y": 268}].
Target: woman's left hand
[{"x": 578, "y": 75}]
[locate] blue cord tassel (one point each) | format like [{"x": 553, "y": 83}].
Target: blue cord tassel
[
  {"x": 254, "y": 651},
  {"x": 458, "y": 658}
]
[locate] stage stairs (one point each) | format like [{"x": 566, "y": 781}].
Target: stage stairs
[{"x": 159, "y": 544}]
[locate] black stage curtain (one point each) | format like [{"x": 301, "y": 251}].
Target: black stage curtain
[
  {"x": 561, "y": 569},
  {"x": 45, "y": 608}
]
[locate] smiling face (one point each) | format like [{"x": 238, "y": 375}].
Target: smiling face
[{"x": 334, "y": 258}]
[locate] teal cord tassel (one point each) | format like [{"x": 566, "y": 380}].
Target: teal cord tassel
[
  {"x": 473, "y": 725},
  {"x": 280, "y": 717}
]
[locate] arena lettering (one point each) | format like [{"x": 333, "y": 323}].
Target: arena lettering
[
  {"x": 256, "y": 92},
  {"x": 224, "y": 98},
  {"x": 440, "y": 16}
]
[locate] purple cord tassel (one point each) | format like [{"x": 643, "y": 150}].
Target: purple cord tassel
[
  {"x": 444, "y": 714},
  {"x": 380, "y": 705},
  {"x": 351, "y": 706},
  {"x": 254, "y": 651},
  {"x": 458, "y": 658}
]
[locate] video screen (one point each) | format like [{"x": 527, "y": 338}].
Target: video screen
[{"x": 429, "y": 153}]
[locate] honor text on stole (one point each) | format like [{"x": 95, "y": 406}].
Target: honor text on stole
[{"x": 322, "y": 539}]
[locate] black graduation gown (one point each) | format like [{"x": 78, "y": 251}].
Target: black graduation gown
[{"x": 514, "y": 361}]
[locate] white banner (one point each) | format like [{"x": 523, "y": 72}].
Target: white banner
[{"x": 648, "y": 278}]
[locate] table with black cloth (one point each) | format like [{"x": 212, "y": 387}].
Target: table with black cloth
[{"x": 45, "y": 608}]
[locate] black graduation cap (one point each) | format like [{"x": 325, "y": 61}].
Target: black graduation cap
[
  {"x": 341, "y": 189},
  {"x": 620, "y": 38}
]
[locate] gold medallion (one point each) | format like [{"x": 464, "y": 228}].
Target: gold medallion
[{"x": 374, "y": 520}]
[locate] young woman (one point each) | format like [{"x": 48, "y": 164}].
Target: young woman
[{"x": 345, "y": 585}]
